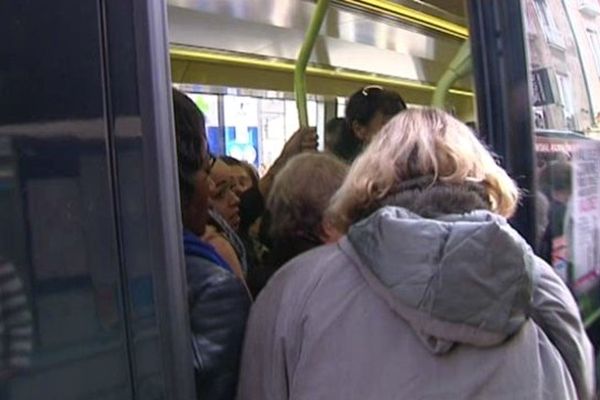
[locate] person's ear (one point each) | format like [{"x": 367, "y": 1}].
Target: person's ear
[{"x": 329, "y": 233}]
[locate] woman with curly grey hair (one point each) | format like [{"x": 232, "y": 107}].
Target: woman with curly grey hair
[{"x": 300, "y": 195}]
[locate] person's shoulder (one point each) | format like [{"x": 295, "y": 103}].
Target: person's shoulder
[
  {"x": 203, "y": 272},
  {"x": 316, "y": 259},
  {"x": 542, "y": 272},
  {"x": 221, "y": 244},
  {"x": 304, "y": 272}
]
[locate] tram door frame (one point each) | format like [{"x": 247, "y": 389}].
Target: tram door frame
[
  {"x": 129, "y": 108},
  {"x": 501, "y": 74}
]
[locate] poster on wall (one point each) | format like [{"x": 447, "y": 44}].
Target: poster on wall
[
  {"x": 554, "y": 190},
  {"x": 585, "y": 220},
  {"x": 568, "y": 172}
]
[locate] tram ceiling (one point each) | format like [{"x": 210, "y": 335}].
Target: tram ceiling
[
  {"x": 295, "y": 14},
  {"x": 350, "y": 40}
]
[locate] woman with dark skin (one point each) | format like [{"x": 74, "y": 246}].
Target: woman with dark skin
[
  {"x": 218, "y": 301},
  {"x": 233, "y": 211}
]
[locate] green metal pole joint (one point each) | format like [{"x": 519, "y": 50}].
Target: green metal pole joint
[
  {"x": 300, "y": 72},
  {"x": 460, "y": 66}
]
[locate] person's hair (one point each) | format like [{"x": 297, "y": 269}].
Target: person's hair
[
  {"x": 420, "y": 143},
  {"x": 301, "y": 192},
  {"x": 249, "y": 168},
  {"x": 556, "y": 176},
  {"x": 345, "y": 144},
  {"x": 363, "y": 105},
  {"x": 334, "y": 126},
  {"x": 190, "y": 137},
  {"x": 231, "y": 161},
  {"x": 252, "y": 172}
]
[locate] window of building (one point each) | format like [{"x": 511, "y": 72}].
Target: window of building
[
  {"x": 595, "y": 45},
  {"x": 589, "y": 7},
  {"x": 548, "y": 23},
  {"x": 565, "y": 91},
  {"x": 530, "y": 26}
]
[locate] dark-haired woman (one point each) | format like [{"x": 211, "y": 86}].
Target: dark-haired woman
[
  {"x": 367, "y": 111},
  {"x": 217, "y": 300}
]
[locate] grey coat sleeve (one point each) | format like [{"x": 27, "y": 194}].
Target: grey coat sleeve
[{"x": 556, "y": 312}]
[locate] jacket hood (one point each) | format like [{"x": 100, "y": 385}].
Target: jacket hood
[{"x": 455, "y": 279}]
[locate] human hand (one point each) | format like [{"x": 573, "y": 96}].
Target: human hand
[{"x": 304, "y": 139}]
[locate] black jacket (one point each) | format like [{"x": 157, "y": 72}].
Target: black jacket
[{"x": 219, "y": 306}]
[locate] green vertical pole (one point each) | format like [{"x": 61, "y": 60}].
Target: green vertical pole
[{"x": 300, "y": 72}]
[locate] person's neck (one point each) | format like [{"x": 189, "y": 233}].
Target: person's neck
[{"x": 431, "y": 199}]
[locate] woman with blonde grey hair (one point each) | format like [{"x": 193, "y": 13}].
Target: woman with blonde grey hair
[{"x": 430, "y": 295}]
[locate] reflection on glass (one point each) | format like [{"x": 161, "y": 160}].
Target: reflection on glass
[
  {"x": 565, "y": 80},
  {"x": 565, "y": 75},
  {"x": 16, "y": 325},
  {"x": 209, "y": 104},
  {"x": 61, "y": 315}
]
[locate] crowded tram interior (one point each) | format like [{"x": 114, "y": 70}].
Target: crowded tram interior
[{"x": 300, "y": 199}]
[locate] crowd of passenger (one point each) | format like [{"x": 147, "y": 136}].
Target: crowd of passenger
[{"x": 382, "y": 268}]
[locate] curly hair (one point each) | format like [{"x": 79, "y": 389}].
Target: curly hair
[{"x": 301, "y": 193}]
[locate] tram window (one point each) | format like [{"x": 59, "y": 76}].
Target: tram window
[
  {"x": 319, "y": 110},
  {"x": 566, "y": 97},
  {"x": 274, "y": 130},
  {"x": 315, "y": 112},
  {"x": 252, "y": 128},
  {"x": 291, "y": 123},
  {"x": 209, "y": 104},
  {"x": 341, "y": 107},
  {"x": 242, "y": 128}
]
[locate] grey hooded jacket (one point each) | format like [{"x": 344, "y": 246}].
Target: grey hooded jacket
[{"x": 411, "y": 308}]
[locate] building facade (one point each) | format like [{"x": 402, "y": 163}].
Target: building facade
[{"x": 564, "y": 51}]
